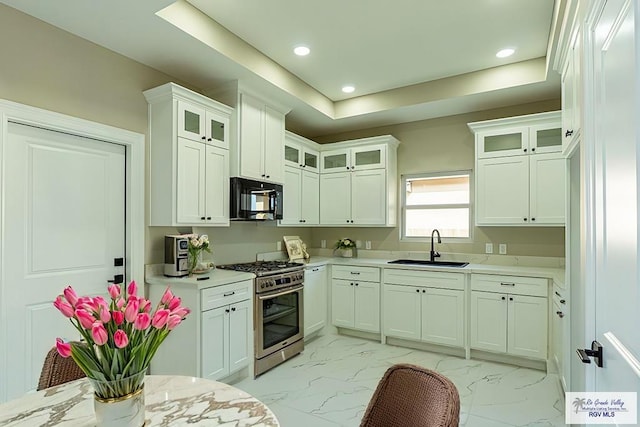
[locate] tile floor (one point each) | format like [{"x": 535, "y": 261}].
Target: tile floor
[{"x": 331, "y": 382}]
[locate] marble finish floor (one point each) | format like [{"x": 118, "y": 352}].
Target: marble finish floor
[{"x": 331, "y": 382}]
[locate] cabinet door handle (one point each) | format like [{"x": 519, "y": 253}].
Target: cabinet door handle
[
  {"x": 229, "y": 294},
  {"x": 417, "y": 290},
  {"x": 525, "y": 150},
  {"x": 233, "y": 309},
  {"x": 356, "y": 284},
  {"x": 424, "y": 291},
  {"x": 507, "y": 284},
  {"x": 568, "y": 133},
  {"x": 533, "y": 219},
  {"x": 510, "y": 298},
  {"x": 533, "y": 149},
  {"x": 351, "y": 284},
  {"x": 560, "y": 314},
  {"x": 204, "y": 138},
  {"x": 209, "y": 218},
  {"x": 202, "y": 218},
  {"x": 315, "y": 269},
  {"x": 525, "y": 219},
  {"x": 504, "y": 298},
  {"x": 563, "y": 301},
  {"x": 227, "y": 310},
  {"x": 356, "y": 273}
]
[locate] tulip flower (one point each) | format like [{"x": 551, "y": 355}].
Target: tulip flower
[
  {"x": 70, "y": 295},
  {"x": 181, "y": 311},
  {"x": 142, "y": 322},
  {"x": 174, "y": 303},
  {"x": 145, "y": 305},
  {"x": 65, "y": 308},
  {"x": 167, "y": 296},
  {"x": 64, "y": 348},
  {"x": 99, "y": 334},
  {"x": 118, "y": 317},
  {"x": 85, "y": 319},
  {"x": 120, "y": 303},
  {"x": 160, "y": 318},
  {"x": 105, "y": 314},
  {"x": 120, "y": 338},
  {"x": 114, "y": 291},
  {"x": 173, "y": 321},
  {"x": 133, "y": 288},
  {"x": 131, "y": 311}
]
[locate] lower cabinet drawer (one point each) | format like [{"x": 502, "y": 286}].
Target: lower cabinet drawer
[
  {"x": 432, "y": 279},
  {"x": 517, "y": 285},
  {"x": 226, "y": 294},
  {"x": 352, "y": 272}
]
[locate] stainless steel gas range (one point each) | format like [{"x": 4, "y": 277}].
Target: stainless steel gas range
[{"x": 278, "y": 311}]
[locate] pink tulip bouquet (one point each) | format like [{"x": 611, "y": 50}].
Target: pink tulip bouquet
[{"x": 120, "y": 337}]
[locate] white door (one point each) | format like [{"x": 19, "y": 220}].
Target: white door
[
  {"x": 367, "y": 306},
  {"x": 527, "y": 326},
  {"x": 64, "y": 225},
  {"x": 335, "y": 198},
  {"x": 217, "y": 185},
  {"x": 310, "y": 195},
  {"x": 273, "y": 145},
  {"x": 251, "y": 138},
  {"x": 502, "y": 191},
  {"x": 214, "y": 353},
  {"x": 191, "y": 182},
  {"x": 488, "y": 321},
  {"x": 547, "y": 190},
  {"x": 239, "y": 325},
  {"x": 401, "y": 311},
  {"x": 615, "y": 116},
  {"x": 291, "y": 204},
  {"x": 342, "y": 303},
  {"x": 443, "y": 316}
]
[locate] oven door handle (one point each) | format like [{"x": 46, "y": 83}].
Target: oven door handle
[{"x": 286, "y": 291}]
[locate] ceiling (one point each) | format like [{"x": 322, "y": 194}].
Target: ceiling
[{"x": 408, "y": 60}]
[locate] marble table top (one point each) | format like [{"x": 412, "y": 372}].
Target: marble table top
[{"x": 169, "y": 400}]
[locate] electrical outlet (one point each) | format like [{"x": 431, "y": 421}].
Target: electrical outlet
[
  {"x": 502, "y": 248},
  {"x": 279, "y": 245},
  {"x": 488, "y": 248},
  {"x": 323, "y": 243},
  {"x": 358, "y": 244},
  {"x": 367, "y": 244}
]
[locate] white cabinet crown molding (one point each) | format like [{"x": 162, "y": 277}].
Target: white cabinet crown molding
[
  {"x": 172, "y": 90},
  {"x": 516, "y": 121}
]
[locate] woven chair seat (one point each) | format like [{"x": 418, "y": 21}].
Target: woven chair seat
[
  {"x": 412, "y": 396},
  {"x": 58, "y": 370}
]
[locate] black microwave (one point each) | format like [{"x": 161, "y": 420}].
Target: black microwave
[{"x": 255, "y": 200}]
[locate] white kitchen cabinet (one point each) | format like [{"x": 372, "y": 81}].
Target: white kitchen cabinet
[
  {"x": 200, "y": 124},
  {"x": 353, "y": 198},
  {"x": 355, "y": 298},
  {"x": 301, "y": 205},
  {"x": 571, "y": 92},
  {"x": 202, "y": 184},
  {"x": 225, "y": 344},
  {"x": 509, "y": 315},
  {"x": 358, "y": 182},
  {"x": 315, "y": 299},
  {"x": 188, "y": 158},
  {"x": 424, "y": 306},
  {"x": 353, "y": 158},
  {"x": 520, "y": 178},
  {"x": 301, "y": 152},
  {"x": 218, "y": 332}
]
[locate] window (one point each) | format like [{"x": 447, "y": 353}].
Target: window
[{"x": 436, "y": 200}]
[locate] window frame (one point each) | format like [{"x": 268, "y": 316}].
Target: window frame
[{"x": 403, "y": 206}]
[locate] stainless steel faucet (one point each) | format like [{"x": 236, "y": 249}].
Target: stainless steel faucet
[{"x": 433, "y": 254}]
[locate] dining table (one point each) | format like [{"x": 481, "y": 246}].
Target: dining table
[{"x": 170, "y": 400}]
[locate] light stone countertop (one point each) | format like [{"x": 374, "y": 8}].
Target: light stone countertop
[
  {"x": 169, "y": 401},
  {"x": 215, "y": 277},
  {"x": 556, "y": 274}
]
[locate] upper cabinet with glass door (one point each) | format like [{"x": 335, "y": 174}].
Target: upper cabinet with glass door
[
  {"x": 301, "y": 152},
  {"x": 516, "y": 136},
  {"x": 353, "y": 159},
  {"x": 202, "y": 124}
]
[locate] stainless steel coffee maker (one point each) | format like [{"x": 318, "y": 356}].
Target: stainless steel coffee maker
[{"x": 176, "y": 254}]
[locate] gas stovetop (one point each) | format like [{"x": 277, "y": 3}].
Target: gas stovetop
[{"x": 264, "y": 268}]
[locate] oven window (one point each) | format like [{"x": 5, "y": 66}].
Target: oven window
[{"x": 280, "y": 318}]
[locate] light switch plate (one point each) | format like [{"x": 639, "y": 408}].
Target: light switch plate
[
  {"x": 367, "y": 244},
  {"x": 488, "y": 248},
  {"x": 358, "y": 244},
  {"x": 502, "y": 248},
  {"x": 278, "y": 245},
  {"x": 323, "y": 243}
]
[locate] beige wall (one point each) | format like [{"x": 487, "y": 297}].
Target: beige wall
[
  {"x": 48, "y": 68},
  {"x": 447, "y": 144}
]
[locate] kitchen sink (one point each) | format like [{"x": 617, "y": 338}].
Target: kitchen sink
[{"x": 430, "y": 263}]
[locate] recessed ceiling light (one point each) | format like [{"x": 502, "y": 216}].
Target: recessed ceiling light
[
  {"x": 348, "y": 89},
  {"x": 505, "y": 52},
  {"x": 301, "y": 50}
]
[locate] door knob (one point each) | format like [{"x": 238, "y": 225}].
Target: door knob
[{"x": 596, "y": 352}]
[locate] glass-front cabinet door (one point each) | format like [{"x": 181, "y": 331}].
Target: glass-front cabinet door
[
  {"x": 371, "y": 157},
  {"x": 503, "y": 142},
  {"x": 311, "y": 160},
  {"x": 292, "y": 154},
  {"x": 191, "y": 121},
  {"x": 217, "y": 130},
  {"x": 335, "y": 161},
  {"x": 545, "y": 139}
]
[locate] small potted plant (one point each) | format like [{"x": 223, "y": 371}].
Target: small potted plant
[{"x": 345, "y": 247}]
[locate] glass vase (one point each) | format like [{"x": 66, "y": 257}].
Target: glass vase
[
  {"x": 119, "y": 402},
  {"x": 194, "y": 259}
]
